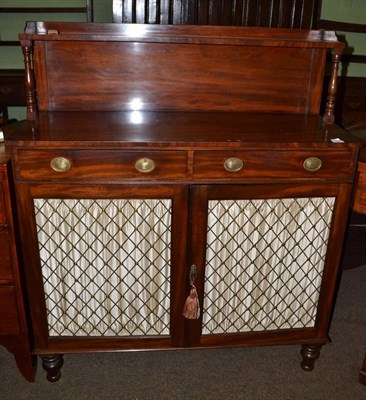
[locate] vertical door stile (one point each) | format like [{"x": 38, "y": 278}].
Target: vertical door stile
[{"x": 196, "y": 256}]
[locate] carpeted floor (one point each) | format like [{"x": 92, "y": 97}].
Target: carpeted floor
[{"x": 248, "y": 373}]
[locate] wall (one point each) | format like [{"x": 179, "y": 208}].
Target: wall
[
  {"x": 353, "y": 11},
  {"x": 11, "y": 24}
]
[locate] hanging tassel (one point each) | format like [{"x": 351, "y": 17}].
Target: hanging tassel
[{"x": 192, "y": 305}]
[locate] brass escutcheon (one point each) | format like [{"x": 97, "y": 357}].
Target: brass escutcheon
[
  {"x": 60, "y": 164},
  {"x": 193, "y": 273},
  {"x": 233, "y": 164},
  {"x": 312, "y": 164},
  {"x": 145, "y": 165}
]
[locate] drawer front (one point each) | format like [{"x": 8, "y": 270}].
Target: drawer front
[
  {"x": 359, "y": 195},
  {"x": 9, "y": 318},
  {"x": 2, "y": 204},
  {"x": 273, "y": 164},
  {"x": 109, "y": 165},
  {"x": 5, "y": 261}
]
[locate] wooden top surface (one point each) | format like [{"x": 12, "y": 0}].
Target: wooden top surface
[
  {"x": 55, "y": 31},
  {"x": 178, "y": 129}
]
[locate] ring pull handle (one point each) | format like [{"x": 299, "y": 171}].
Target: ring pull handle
[
  {"x": 233, "y": 164},
  {"x": 312, "y": 164},
  {"x": 60, "y": 164},
  {"x": 145, "y": 165}
]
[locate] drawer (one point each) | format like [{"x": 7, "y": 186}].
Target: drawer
[
  {"x": 273, "y": 164},
  {"x": 98, "y": 165},
  {"x": 9, "y": 318},
  {"x": 2, "y": 204},
  {"x": 5, "y": 260}
]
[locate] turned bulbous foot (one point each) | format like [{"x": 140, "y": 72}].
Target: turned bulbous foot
[
  {"x": 310, "y": 353},
  {"x": 52, "y": 365}
]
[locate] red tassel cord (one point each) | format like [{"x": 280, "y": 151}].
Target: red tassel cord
[{"x": 192, "y": 305}]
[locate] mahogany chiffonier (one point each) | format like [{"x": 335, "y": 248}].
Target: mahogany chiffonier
[
  {"x": 13, "y": 322},
  {"x": 179, "y": 188}
]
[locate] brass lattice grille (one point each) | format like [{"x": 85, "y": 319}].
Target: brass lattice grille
[
  {"x": 105, "y": 265},
  {"x": 264, "y": 263}
]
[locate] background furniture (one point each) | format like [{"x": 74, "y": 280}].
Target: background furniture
[
  {"x": 12, "y": 80},
  {"x": 14, "y": 333},
  {"x": 154, "y": 197},
  {"x": 275, "y": 14},
  {"x": 87, "y": 10},
  {"x": 12, "y": 91},
  {"x": 352, "y": 106}
]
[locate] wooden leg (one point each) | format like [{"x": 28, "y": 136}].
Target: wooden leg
[
  {"x": 26, "y": 364},
  {"x": 18, "y": 345},
  {"x": 362, "y": 376},
  {"x": 310, "y": 353},
  {"x": 52, "y": 365}
]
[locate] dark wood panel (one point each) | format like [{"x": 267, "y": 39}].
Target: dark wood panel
[
  {"x": 2, "y": 204},
  {"x": 271, "y": 13},
  {"x": 8, "y": 311},
  {"x": 12, "y": 90},
  {"x": 13, "y": 325},
  {"x": 351, "y": 107},
  {"x": 180, "y": 77},
  {"x": 5, "y": 262},
  {"x": 359, "y": 195}
]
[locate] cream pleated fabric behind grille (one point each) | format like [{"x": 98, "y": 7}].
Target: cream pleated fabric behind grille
[
  {"x": 264, "y": 263},
  {"x": 105, "y": 265}
]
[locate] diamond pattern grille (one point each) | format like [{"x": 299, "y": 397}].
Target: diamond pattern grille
[
  {"x": 105, "y": 265},
  {"x": 264, "y": 263}
]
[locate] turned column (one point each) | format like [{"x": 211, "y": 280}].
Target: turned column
[
  {"x": 29, "y": 80},
  {"x": 332, "y": 88}
]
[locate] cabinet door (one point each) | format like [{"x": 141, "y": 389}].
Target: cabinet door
[
  {"x": 266, "y": 257},
  {"x": 105, "y": 262}
]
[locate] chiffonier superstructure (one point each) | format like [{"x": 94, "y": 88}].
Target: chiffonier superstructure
[{"x": 177, "y": 188}]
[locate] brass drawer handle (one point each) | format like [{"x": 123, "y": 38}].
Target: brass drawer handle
[
  {"x": 312, "y": 164},
  {"x": 145, "y": 165},
  {"x": 233, "y": 164},
  {"x": 60, "y": 164}
]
